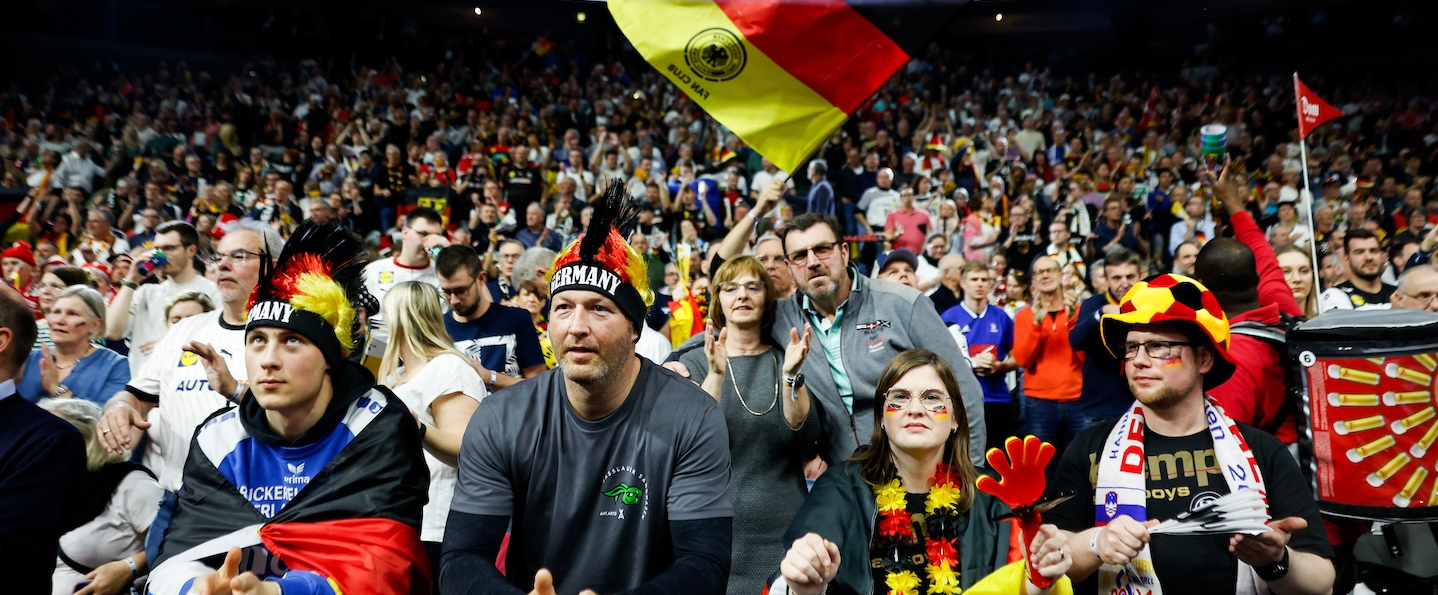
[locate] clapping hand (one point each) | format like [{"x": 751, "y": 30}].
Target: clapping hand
[
  {"x": 797, "y": 350},
  {"x": 716, "y": 348}
]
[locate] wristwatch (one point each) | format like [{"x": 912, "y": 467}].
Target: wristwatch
[
  {"x": 60, "y": 391},
  {"x": 1274, "y": 571}
]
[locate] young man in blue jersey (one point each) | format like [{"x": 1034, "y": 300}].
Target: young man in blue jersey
[
  {"x": 315, "y": 484},
  {"x": 989, "y": 333}
]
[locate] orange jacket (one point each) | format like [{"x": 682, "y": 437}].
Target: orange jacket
[{"x": 1052, "y": 371}]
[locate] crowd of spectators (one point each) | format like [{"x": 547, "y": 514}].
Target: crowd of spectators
[{"x": 1029, "y": 201}]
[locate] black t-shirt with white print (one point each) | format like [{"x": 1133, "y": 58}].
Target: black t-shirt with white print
[{"x": 1183, "y": 473}]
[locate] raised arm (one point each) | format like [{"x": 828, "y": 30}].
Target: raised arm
[{"x": 1272, "y": 288}]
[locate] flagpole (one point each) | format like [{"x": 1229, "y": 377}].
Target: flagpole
[{"x": 1308, "y": 200}]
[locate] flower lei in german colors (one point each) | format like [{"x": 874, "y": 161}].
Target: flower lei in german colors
[{"x": 896, "y": 528}]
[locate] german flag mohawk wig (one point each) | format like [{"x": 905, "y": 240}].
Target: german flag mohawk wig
[
  {"x": 602, "y": 260},
  {"x": 313, "y": 288}
]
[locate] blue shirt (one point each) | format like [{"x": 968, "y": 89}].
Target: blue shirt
[
  {"x": 269, "y": 476},
  {"x": 96, "y": 377},
  {"x": 992, "y": 330},
  {"x": 503, "y": 340}
]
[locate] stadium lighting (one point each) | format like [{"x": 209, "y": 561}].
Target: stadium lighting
[
  {"x": 580, "y": 17},
  {"x": 999, "y": 17},
  {"x": 476, "y": 11}
]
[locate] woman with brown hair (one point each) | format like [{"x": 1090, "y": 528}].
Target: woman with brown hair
[
  {"x": 903, "y": 515},
  {"x": 772, "y": 421}
]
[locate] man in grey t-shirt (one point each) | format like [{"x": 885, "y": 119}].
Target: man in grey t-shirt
[{"x": 612, "y": 472}]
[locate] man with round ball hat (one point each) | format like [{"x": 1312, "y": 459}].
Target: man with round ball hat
[{"x": 1175, "y": 451}]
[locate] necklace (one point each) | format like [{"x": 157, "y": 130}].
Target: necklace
[
  {"x": 896, "y": 529},
  {"x": 729, "y": 363},
  {"x": 77, "y": 360}
]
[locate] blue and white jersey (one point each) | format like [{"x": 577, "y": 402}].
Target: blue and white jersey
[{"x": 991, "y": 331}]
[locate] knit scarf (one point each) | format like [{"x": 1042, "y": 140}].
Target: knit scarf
[{"x": 1120, "y": 490}]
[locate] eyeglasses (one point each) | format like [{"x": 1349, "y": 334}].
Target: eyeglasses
[
  {"x": 933, "y": 401},
  {"x": 458, "y": 291},
  {"x": 1046, "y": 271},
  {"x": 46, "y": 287},
  {"x": 774, "y": 259},
  {"x": 731, "y": 288},
  {"x": 1155, "y": 349},
  {"x": 1424, "y": 298},
  {"x": 238, "y": 257},
  {"x": 821, "y": 251}
]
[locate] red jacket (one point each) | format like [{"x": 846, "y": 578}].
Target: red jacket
[{"x": 1255, "y": 392}]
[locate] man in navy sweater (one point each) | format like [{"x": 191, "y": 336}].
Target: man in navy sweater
[
  {"x": 42, "y": 463},
  {"x": 1105, "y": 392}
]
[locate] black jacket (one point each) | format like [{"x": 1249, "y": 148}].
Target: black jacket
[
  {"x": 381, "y": 473},
  {"x": 842, "y": 509}
]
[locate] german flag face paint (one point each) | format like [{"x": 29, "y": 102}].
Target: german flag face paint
[{"x": 896, "y": 401}]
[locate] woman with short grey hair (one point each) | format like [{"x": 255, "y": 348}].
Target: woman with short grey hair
[{"x": 75, "y": 367}]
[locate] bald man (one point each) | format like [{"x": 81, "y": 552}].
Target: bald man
[
  {"x": 1417, "y": 289},
  {"x": 948, "y": 294}
]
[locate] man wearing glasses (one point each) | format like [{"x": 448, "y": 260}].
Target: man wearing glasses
[
  {"x": 860, "y": 324},
  {"x": 501, "y": 340},
  {"x": 137, "y": 312},
  {"x": 1174, "y": 451},
  {"x": 1417, "y": 289},
  {"x": 507, "y": 255},
  {"x": 198, "y": 366}
]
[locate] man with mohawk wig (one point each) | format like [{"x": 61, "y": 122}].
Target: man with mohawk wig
[
  {"x": 315, "y": 484},
  {"x": 612, "y": 471}
]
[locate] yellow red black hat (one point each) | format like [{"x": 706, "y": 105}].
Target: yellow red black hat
[{"x": 1172, "y": 298}]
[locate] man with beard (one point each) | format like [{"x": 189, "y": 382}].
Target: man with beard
[
  {"x": 137, "y": 313},
  {"x": 197, "y": 368},
  {"x": 1175, "y": 450},
  {"x": 1104, "y": 393},
  {"x": 500, "y": 339},
  {"x": 860, "y": 324},
  {"x": 1364, "y": 289},
  {"x": 612, "y": 472}
]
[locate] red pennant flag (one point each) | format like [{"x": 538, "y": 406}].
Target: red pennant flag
[{"x": 1312, "y": 111}]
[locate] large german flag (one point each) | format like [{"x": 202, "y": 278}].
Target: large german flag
[{"x": 782, "y": 74}]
